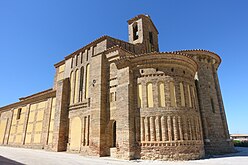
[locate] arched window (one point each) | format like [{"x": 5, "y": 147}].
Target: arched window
[
  {"x": 81, "y": 83},
  {"x": 149, "y": 95},
  {"x": 135, "y": 31},
  {"x": 189, "y": 96},
  {"x": 161, "y": 94},
  {"x": 182, "y": 94},
  {"x": 114, "y": 134},
  {"x": 173, "y": 94},
  {"x": 212, "y": 105},
  {"x": 87, "y": 77},
  {"x": 77, "y": 59},
  {"x": 139, "y": 94},
  {"x": 72, "y": 87},
  {"x": 76, "y": 86},
  {"x": 71, "y": 62},
  {"x": 151, "y": 38},
  {"x": 87, "y": 54},
  {"x": 193, "y": 97},
  {"x": 19, "y": 112}
]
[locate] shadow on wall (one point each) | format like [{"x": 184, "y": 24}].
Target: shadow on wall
[
  {"x": 241, "y": 151},
  {"x": 6, "y": 161}
]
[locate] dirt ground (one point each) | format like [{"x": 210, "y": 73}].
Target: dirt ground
[{"x": 9, "y": 156}]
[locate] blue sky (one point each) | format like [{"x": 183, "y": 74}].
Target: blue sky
[{"x": 34, "y": 35}]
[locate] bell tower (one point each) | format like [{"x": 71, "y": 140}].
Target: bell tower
[{"x": 142, "y": 31}]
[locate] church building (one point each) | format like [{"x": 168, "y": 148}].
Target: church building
[{"x": 125, "y": 100}]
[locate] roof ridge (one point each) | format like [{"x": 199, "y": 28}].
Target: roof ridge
[
  {"x": 169, "y": 52},
  {"x": 84, "y": 47},
  {"x": 197, "y": 50},
  {"x": 118, "y": 46}
]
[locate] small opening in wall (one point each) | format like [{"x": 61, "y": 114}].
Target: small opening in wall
[
  {"x": 135, "y": 31},
  {"x": 212, "y": 105},
  {"x": 209, "y": 86},
  {"x": 114, "y": 134},
  {"x": 81, "y": 60},
  {"x": 19, "y": 114},
  {"x": 172, "y": 69},
  {"x": 87, "y": 55},
  {"x": 142, "y": 71},
  {"x": 76, "y": 60},
  {"x": 156, "y": 69},
  {"x": 151, "y": 38},
  {"x": 184, "y": 72},
  {"x": 111, "y": 95},
  {"x": 71, "y": 62}
]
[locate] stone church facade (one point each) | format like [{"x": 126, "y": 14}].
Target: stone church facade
[{"x": 125, "y": 100}]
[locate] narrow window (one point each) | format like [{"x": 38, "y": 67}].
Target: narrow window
[
  {"x": 193, "y": 97},
  {"x": 81, "y": 83},
  {"x": 149, "y": 95},
  {"x": 77, "y": 60},
  {"x": 139, "y": 94},
  {"x": 93, "y": 50},
  {"x": 151, "y": 38},
  {"x": 135, "y": 31},
  {"x": 111, "y": 97},
  {"x": 72, "y": 87},
  {"x": 81, "y": 57},
  {"x": 114, "y": 134},
  {"x": 71, "y": 62},
  {"x": 182, "y": 95},
  {"x": 84, "y": 131},
  {"x": 87, "y": 55},
  {"x": 173, "y": 94},
  {"x": 76, "y": 86},
  {"x": 161, "y": 94},
  {"x": 212, "y": 105},
  {"x": 87, "y": 76},
  {"x": 19, "y": 114},
  {"x": 189, "y": 96},
  {"x": 88, "y": 131}
]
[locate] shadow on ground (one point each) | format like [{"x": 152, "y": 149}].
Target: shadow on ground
[
  {"x": 241, "y": 151},
  {"x": 6, "y": 161}
]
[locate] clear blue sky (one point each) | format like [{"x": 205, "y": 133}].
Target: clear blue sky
[{"x": 34, "y": 35}]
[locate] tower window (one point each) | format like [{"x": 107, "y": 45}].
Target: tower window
[
  {"x": 151, "y": 38},
  {"x": 212, "y": 105},
  {"x": 135, "y": 32},
  {"x": 76, "y": 60},
  {"x": 71, "y": 62},
  {"x": 19, "y": 114}
]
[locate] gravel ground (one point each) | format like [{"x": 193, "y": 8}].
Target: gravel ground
[{"x": 9, "y": 156}]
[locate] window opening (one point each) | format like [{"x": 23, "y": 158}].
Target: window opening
[
  {"x": 19, "y": 114},
  {"x": 135, "y": 32}
]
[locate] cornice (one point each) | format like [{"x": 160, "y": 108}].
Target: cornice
[
  {"x": 201, "y": 52},
  {"x": 30, "y": 99}
]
